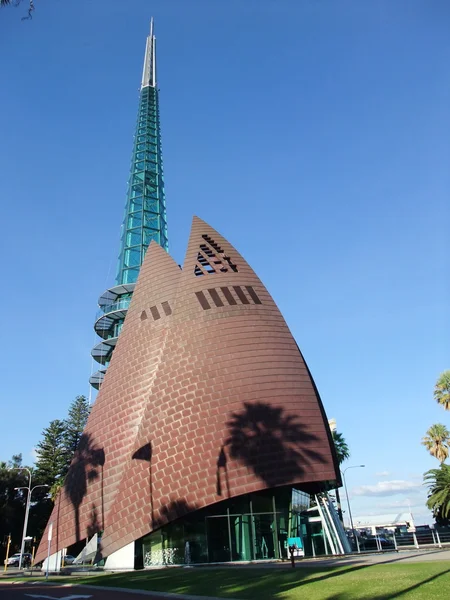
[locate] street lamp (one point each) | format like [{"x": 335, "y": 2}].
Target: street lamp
[
  {"x": 27, "y": 508},
  {"x": 348, "y": 501}
]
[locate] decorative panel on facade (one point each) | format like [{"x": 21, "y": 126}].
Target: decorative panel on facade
[{"x": 207, "y": 397}]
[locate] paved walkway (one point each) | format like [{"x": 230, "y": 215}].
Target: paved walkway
[{"x": 407, "y": 556}]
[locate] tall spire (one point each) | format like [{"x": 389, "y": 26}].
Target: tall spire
[
  {"x": 145, "y": 214},
  {"x": 149, "y": 71}
]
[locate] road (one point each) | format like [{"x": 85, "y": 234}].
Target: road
[{"x": 60, "y": 592}]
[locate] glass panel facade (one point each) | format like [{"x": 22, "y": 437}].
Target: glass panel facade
[
  {"x": 250, "y": 527},
  {"x": 145, "y": 213}
]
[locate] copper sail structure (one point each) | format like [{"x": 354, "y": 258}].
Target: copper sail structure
[{"x": 207, "y": 407}]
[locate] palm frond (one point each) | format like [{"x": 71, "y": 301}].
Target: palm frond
[
  {"x": 442, "y": 390},
  {"x": 437, "y": 441},
  {"x": 438, "y": 481},
  {"x": 341, "y": 447}
]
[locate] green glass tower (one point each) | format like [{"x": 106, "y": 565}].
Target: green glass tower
[{"x": 145, "y": 215}]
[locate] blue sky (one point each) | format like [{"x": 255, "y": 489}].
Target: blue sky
[{"x": 314, "y": 135}]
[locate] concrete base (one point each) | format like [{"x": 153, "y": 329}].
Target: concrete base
[
  {"x": 122, "y": 559},
  {"x": 54, "y": 562}
]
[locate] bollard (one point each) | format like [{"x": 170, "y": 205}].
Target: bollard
[
  {"x": 395, "y": 543},
  {"x": 416, "y": 543},
  {"x": 438, "y": 539}
]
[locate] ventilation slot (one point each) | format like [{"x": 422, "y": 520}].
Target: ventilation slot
[
  {"x": 205, "y": 264},
  {"x": 143, "y": 315},
  {"x": 155, "y": 313},
  {"x": 212, "y": 243},
  {"x": 240, "y": 294},
  {"x": 207, "y": 251},
  {"x": 212, "y": 262},
  {"x": 253, "y": 294},
  {"x": 215, "y": 297},
  {"x": 203, "y": 301},
  {"x": 229, "y": 296},
  {"x": 166, "y": 308}
]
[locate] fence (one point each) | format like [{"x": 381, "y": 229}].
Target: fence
[{"x": 431, "y": 538}]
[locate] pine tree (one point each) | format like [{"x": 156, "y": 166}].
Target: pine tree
[
  {"x": 74, "y": 425},
  {"x": 51, "y": 453}
]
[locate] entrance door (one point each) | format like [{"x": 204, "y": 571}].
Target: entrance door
[
  {"x": 265, "y": 537},
  {"x": 218, "y": 539}
]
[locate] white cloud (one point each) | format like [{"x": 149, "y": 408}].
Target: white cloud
[
  {"x": 403, "y": 504},
  {"x": 383, "y": 474},
  {"x": 388, "y": 488},
  {"x": 33, "y": 454}
]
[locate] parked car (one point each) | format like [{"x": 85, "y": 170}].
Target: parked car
[
  {"x": 68, "y": 559},
  {"x": 14, "y": 560},
  {"x": 370, "y": 543}
]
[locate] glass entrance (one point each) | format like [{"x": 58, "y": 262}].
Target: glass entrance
[
  {"x": 218, "y": 539},
  {"x": 265, "y": 537}
]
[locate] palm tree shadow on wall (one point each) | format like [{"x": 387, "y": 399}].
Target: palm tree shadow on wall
[
  {"x": 172, "y": 511},
  {"x": 84, "y": 469},
  {"x": 168, "y": 512},
  {"x": 145, "y": 453},
  {"x": 274, "y": 445},
  {"x": 94, "y": 523},
  {"x": 222, "y": 468}
]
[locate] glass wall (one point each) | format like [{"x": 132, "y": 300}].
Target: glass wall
[
  {"x": 145, "y": 213},
  {"x": 251, "y": 527}
]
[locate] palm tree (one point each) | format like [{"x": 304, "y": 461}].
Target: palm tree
[
  {"x": 16, "y": 3},
  {"x": 342, "y": 453},
  {"x": 341, "y": 447},
  {"x": 437, "y": 441},
  {"x": 442, "y": 390},
  {"x": 439, "y": 491}
]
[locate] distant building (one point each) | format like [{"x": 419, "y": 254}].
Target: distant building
[{"x": 371, "y": 525}]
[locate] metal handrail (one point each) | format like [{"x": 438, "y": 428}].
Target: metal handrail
[{"x": 122, "y": 304}]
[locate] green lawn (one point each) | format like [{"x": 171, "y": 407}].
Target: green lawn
[{"x": 425, "y": 581}]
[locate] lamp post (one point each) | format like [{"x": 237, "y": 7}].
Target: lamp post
[
  {"x": 27, "y": 507},
  {"x": 348, "y": 501}
]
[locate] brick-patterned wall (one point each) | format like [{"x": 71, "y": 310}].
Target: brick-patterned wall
[{"x": 212, "y": 399}]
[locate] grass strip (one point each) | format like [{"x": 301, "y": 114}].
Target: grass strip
[{"x": 414, "y": 581}]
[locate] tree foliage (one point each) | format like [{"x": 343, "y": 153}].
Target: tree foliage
[
  {"x": 12, "y": 502},
  {"x": 438, "y": 481},
  {"x": 342, "y": 453},
  {"x": 4, "y": 3},
  {"x": 52, "y": 455},
  {"x": 74, "y": 426},
  {"x": 437, "y": 441},
  {"x": 59, "y": 442},
  {"x": 341, "y": 447},
  {"x": 442, "y": 390}
]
